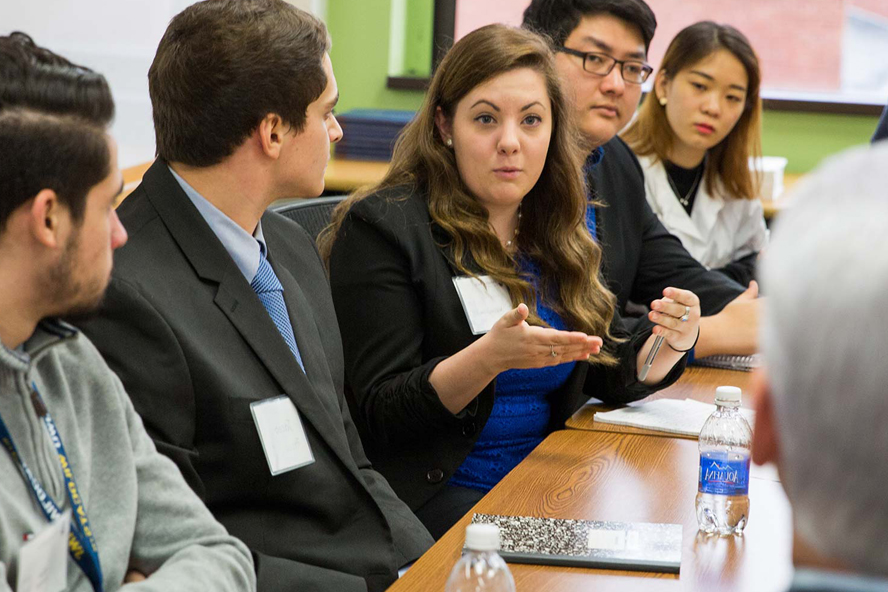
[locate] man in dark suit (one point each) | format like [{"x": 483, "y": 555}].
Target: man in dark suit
[
  {"x": 219, "y": 318},
  {"x": 640, "y": 257}
]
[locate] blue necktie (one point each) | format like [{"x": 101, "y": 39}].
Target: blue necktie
[{"x": 270, "y": 291}]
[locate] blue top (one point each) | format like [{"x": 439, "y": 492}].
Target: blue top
[
  {"x": 244, "y": 248},
  {"x": 518, "y": 422},
  {"x": 519, "y": 419},
  {"x": 520, "y": 415}
]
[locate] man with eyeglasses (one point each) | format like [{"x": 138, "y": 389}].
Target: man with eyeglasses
[{"x": 601, "y": 51}]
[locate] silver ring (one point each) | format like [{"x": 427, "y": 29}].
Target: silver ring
[
  {"x": 684, "y": 318},
  {"x": 553, "y": 354}
]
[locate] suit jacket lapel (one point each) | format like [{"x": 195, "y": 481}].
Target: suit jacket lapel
[
  {"x": 308, "y": 338},
  {"x": 236, "y": 298}
]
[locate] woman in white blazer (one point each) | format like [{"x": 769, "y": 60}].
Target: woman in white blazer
[{"x": 693, "y": 137}]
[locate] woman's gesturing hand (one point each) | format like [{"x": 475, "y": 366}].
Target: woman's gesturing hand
[{"x": 512, "y": 343}]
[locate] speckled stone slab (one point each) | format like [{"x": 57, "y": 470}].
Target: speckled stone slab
[{"x": 588, "y": 543}]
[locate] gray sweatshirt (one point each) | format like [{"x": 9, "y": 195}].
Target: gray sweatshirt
[{"x": 143, "y": 515}]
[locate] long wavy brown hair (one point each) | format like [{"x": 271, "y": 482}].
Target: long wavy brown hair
[
  {"x": 728, "y": 160},
  {"x": 553, "y": 231}
]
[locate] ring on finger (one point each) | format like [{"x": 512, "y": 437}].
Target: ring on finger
[
  {"x": 552, "y": 351},
  {"x": 684, "y": 318}
]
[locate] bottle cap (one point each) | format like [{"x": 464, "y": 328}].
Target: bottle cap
[
  {"x": 482, "y": 537},
  {"x": 727, "y": 394}
]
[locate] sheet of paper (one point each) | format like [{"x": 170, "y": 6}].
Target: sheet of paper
[
  {"x": 43, "y": 560},
  {"x": 666, "y": 415},
  {"x": 484, "y": 301},
  {"x": 282, "y": 435}
]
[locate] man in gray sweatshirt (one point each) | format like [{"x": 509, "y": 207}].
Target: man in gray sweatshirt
[{"x": 70, "y": 440}]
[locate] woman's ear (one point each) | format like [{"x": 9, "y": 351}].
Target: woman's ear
[
  {"x": 661, "y": 81},
  {"x": 444, "y": 125}
]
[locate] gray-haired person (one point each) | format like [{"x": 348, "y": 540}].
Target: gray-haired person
[
  {"x": 69, "y": 437},
  {"x": 821, "y": 404}
]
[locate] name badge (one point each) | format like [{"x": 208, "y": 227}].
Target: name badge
[
  {"x": 483, "y": 300},
  {"x": 282, "y": 435},
  {"x": 43, "y": 560}
]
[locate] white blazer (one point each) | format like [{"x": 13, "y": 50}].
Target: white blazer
[{"x": 718, "y": 230}]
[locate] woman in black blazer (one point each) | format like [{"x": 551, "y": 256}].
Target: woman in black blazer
[{"x": 487, "y": 181}]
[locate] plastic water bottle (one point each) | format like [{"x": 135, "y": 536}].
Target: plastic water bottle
[
  {"x": 481, "y": 569},
  {"x": 723, "y": 491}
]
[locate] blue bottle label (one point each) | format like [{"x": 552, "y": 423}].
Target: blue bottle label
[{"x": 721, "y": 476}]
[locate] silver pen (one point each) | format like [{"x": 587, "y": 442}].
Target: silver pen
[{"x": 658, "y": 342}]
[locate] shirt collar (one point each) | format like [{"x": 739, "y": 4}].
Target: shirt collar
[{"x": 245, "y": 249}]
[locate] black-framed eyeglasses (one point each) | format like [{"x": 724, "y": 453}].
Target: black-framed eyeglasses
[{"x": 601, "y": 64}]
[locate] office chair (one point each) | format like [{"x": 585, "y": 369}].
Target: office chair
[{"x": 312, "y": 214}]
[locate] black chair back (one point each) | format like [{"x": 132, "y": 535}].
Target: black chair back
[{"x": 312, "y": 214}]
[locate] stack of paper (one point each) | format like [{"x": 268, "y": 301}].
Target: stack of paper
[{"x": 666, "y": 415}]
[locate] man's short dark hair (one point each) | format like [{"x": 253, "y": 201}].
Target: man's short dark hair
[
  {"x": 53, "y": 118},
  {"x": 223, "y": 65},
  {"x": 557, "y": 19}
]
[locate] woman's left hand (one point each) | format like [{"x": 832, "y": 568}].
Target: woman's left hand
[{"x": 677, "y": 318}]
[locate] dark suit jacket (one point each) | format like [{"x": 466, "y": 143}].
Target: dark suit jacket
[
  {"x": 400, "y": 316},
  {"x": 194, "y": 347},
  {"x": 640, "y": 257}
]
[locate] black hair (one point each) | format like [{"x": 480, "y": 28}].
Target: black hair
[
  {"x": 53, "y": 117},
  {"x": 556, "y": 19}
]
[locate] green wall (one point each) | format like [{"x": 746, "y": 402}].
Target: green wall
[
  {"x": 360, "y": 54},
  {"x": 806, "y": 138},
  {"x": 360, "y": 32}
]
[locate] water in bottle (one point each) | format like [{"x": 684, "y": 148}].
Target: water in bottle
[
  {"x": 723, "y": 490},
  {"x": 481, "y": 569}
]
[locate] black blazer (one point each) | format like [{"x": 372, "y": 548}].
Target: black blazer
[
  {"x": 400, "y": 315},
  {"x": 194, "y": 347},
  {"x": 641, "y": 257}
]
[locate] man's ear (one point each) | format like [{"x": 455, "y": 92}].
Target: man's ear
[
  {"x": 49, "y": 220},
  {"x": 271, "y": 135},
  {"x": 765, "y": 447},
  {"x": 444, "y": 125}
]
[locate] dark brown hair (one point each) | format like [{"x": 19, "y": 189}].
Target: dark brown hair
[
  {"x": 729, "y": 160},
  {"x": 553, "y": 228},
  {"x": 53, "y": 119},
  {"x": 223, "y": 65}
]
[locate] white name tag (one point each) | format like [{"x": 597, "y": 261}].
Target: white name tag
[
  {"x": 282, "y": 435},
  {"x": 43, "y": 561},
  {"x": 484, "y": 301}
]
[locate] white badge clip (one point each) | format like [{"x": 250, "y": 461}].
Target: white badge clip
[
  {"x": 282, "y": 435},
  {"x": 43, "y": 560},
  {"x": 484, "y": 301}
]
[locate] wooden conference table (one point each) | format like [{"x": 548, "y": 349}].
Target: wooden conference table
[
  {"x": 600, "y": 472},
  {"x": 628, "y": 478}
]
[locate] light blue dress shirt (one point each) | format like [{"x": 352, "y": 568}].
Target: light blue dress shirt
[{"x": 244, "y": 248}]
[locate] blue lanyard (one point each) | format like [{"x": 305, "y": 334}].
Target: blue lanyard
[{"x": 81, "y": 542}]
